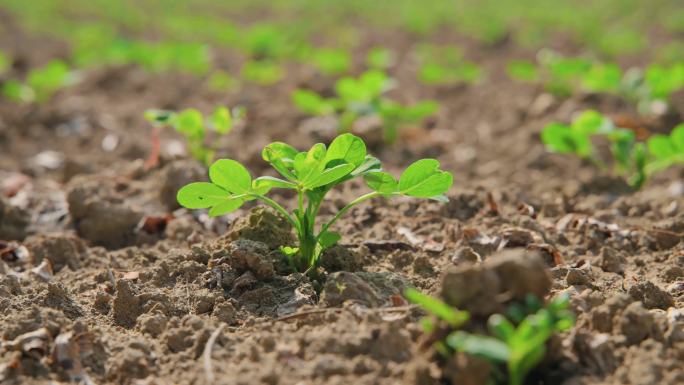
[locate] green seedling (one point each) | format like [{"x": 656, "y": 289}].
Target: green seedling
[
  {"x": 666, "y": 150},
  {"x": 634, "y": 160},
  {"x": 380, "y": 58},
  {"x": 332, "y": 61},
  {"x": 221, "y": 81},
  {"x": 445, "y": 65},
  {"x": 40, "y": 83},
  {"x": 522, "y": 71},
  {"x": 312, "y": 174},
  {"x": 193, "y": 125},
  {"x": 363, "y": 96},
  {"x": 519, "y": 343},
  {"x": 262, "y": 72},
  {"x": 520, "y": 347}
]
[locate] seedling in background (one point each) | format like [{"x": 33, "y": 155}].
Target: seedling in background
[
  {"x": 636, "y": 161},
  {"x": 312, "y": 174},
  {"x": 332, "y": 61},
  {"x": 193, "y": 125},
  {"x": 363, "y": 96},
  {"x": 522, "y": 346},
  {"x": 380, "y": 58},
  {"x": 40, "y": 84},
  {"x": 445, "y": 65},
  {"x": 519, "y": 343},
  {"x": 262, "y": 72}
]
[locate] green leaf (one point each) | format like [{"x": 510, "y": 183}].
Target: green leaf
[
  {"x": 281, "y": 156},
  {"x": 158, "y": 116},
  {"x": 329, "y": 176},
  {"x": 370, "y": 164},
  {"x": 482, "y": 346},
  {"x": 424, "y": 179},
  {"x": 347, "y": 147},
  {"x": 328, "y": 239},
  {"x": 440, "y": 309},
  {"x": 562, "y": 139},
  {"x": 381, "y": 182},
  {"x": 221, "y": 120},
  {"x": 589, "y": 122},
  {"x": 311, "y": 103},
  {"x": 502, "y": 328},
  {"x": 309, "y": 165},
  {"x": 661, "y": 147},
  {"x": 201, "y": 195},
  {"x": 289, "y": 251},
  {"x": 522, "y": 70},
  {"x": 677, "y": 138},
  {"x": 189, "y": 122},
  {"x": 226, "y": 207},
  {"x": 271, "y": 182},
  {"x": 231, "y": 175}
]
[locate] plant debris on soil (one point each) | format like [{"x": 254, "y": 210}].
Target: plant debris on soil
[{"x": 104, "y": 278}]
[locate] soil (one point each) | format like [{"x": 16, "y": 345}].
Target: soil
[{"x": 104, "y": 279}]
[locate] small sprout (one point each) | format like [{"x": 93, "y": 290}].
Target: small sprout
[
  {"x": 445, "y": 65},
  {"x": 363, "y": 96},
  {"x": 522, "y": 70},
  {"x": 221, "y": 81},
  {"x": 519, "y": 343},
  {"x": 40, "y": 83},
  {"x": 332, "y": 61},
  {"x": 380, "y": 58},
  {"x": 312, "y": 174},
  {"x": 520, "y": 347},
  {"x": 633, "y": 160},
  {"x": 193, "y": 125},
  {"x": 262, "y": 72}
]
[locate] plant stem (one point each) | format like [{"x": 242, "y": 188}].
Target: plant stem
[{"x": 346, "y": 208}]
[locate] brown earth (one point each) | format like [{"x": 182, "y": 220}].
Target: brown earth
[{"x": 103, "y": 275}]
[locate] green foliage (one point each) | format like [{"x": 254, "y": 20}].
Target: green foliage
[
  {"x": 312, "y": 174},
  {"x": 519, "y": 343},
  {"x": 40, "y": 83},
  {"x": 222, "y": 81},
  {"x": 666, "y": 150},
  {"x": 362, "y": 96},
  {"x": 195, "y": 127},
  {"x": 262, "y": 72},
  {"x": 521, "y": 347},
  {"x": 445, "y": 65},
  {"x": 332, "y": 61},
  {"x": 380, "y": 58},
  {"x": 631, "y": 159},
  {"x": 522, "y": 70}
]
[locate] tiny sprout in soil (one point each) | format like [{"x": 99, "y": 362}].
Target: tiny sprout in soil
[
  {"x": 196, "y": 128},
  {"x": 364, "y": 96},
  {"x": 312, "y": 174},
  {"x": 517, "y": 340}
]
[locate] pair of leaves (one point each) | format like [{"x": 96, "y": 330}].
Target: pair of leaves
[
  {"x": 319, "y": 166},
  {"x": 191, "y": 122},
  {"x": 576, "y": 138},
  {"x": 422, "y": 179}
]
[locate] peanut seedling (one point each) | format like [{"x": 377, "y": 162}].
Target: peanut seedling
[{"x": 312, "y": 174}]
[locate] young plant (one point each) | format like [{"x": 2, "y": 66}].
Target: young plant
[
  {"x": 519, "y": 343},
  {"x": 331, "y": 61},
  {"x": 363, "y": 96},
  {"x": 445, "y": 65},
  {"x": 40, "y": 83},
  {"x": 630, "y": 158},
  {"x": 262, "y": 72},
  {"x": 666, "y": 150},
  {"x": 193, "y": 125},
  {"x": 520, "y": 347},
  {"x": 312, "y": 174}
]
